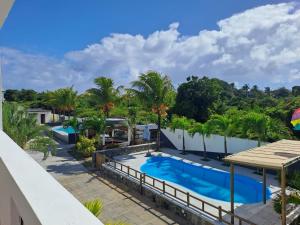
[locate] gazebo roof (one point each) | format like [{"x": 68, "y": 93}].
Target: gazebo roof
[{"x": 272, "y": 156}]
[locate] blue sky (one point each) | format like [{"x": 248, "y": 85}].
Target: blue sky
[
  {"x": 66, "y": 40},
  {"x": 55, "y": 27}
]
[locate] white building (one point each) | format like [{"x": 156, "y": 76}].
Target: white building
[{"x": 42, "y": 115}]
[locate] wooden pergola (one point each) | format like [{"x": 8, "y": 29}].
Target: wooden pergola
[{"x": 276, "y": 156}]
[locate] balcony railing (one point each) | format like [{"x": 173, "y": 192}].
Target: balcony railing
[{"x": 31, "y": 196}]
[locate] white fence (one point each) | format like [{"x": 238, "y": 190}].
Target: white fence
[{"x": 214, "y": 143}]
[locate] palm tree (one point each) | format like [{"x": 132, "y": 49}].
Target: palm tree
[
  {"x": 132, "y": 114},
  {"x": 105, "y": 94},
  {"x": 153, "y": 90},
  {"x": 63, "y": 100},
  {"x": 256, "y": 125},
  {"x": 67, "y": 99},
  {"x": 204, "y": 130},
  {"x": 52, "y": 101},
  {"x": 98, "y": 124},
  {"x": 182, "y": 123},
  {"x": 223, "y": 124},
  {"x": 19, "y": 125}
]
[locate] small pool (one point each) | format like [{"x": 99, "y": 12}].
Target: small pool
[
  {"x": 68, "y": 130},
  {"x": 208, "y": 182}
]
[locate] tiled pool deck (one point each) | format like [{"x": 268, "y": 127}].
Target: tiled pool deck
[
  {"x": 258, "y": 213},
  {"x": 119, "y": 204}
]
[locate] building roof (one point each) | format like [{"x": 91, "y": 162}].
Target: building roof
[
  {"x": 33, "y": 110},
  {"x": 273, "y": 156},
  {"x": 5, "y": 7}
]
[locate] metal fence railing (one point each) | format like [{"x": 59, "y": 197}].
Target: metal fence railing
[{"x": 189, "y": 200}]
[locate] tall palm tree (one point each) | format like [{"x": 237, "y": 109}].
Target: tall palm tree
[
  {"x": 67, "y": 99},
  {"x": 52, "y": 101},
  {"x": 223, "y": 124},
  {"x": 105, "y": 94},
  {"x": 204, "y": 130},
  {"x": 132, "y": 114},
  {"x": 182, "y": 123},
  {"x": 153, "y": 89}
]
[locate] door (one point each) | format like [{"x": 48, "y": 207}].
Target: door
[{"x": 43, "y": 116}]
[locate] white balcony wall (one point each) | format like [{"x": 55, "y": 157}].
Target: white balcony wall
[
  {"x": 214, "y": 143},
  {"x": 27, "y": 191}
]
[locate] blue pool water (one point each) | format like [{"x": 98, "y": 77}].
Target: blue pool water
[
  {"x": 204, "y": 181},
  {"x": 68, "y": 130}
]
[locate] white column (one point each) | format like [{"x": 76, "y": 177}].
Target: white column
[
  {"x": 103, "y": 139},
  {"x": 129, "y": 135}
]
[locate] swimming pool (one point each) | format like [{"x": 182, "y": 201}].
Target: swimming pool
[
  {"x": 68, "y": 130},
  {"x": 204, "y": 181}
]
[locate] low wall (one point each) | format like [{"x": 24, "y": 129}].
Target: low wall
[
  {"x": 98, "y": 156},
  {"x": 61, "y": 136},
  {"x": 214, "y": 143}
]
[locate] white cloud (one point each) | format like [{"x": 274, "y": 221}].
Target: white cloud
[{"x": 259, "y": 46}]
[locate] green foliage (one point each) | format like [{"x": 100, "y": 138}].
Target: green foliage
[
  {"x": 222, "y": 124},
  {"x": 277, "y": 204},
  {"x": 154, "y": 92},
  {"x": 43, "y": 144},
  {"x": 183, "y": 123},
  {"x": 180, "y": 122},
  {"x": 204, "y": 130},
  {"x": 85, "y": 146},
  {"x": 292, "y": 179},
  {"x": 62, "y": 100},
  {"x": 18, "y": 124},
  {"x": 154, "y": 98},
  {"x": 105, "y": 95},
  {"x": 94, "y": 206},
  {"x": 72, "y": 122},
  {"x": 95, "y": 123},
  {"x": 196, "y": 97},
  {"x": 20, "y": 95},
  {"x": 293, "y": 198}
]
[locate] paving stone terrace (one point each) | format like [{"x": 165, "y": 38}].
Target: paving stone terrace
[{"x": 119, "y": 204}]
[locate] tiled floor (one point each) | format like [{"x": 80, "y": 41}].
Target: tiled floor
[{"x": 119, "y": 204}]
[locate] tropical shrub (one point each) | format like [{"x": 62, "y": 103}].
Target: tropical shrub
[
  {"x": 18, "y": 124},
  {"x": 43, "y": 144},
  {"x": 277, "y": 204},
  {"x": 94, "y": 206},
  {"x": 85, "y": 146},
  {"x": 293, "y": 198},
  {"x": 292, "y": 179}
]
